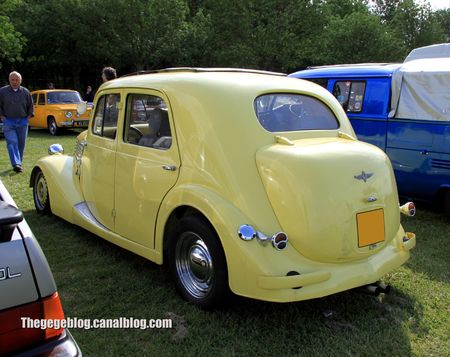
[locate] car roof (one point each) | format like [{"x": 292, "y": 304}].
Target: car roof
[
  {"x": 223, "y": 79},
  {"x": 204, "y": 69},
  {"x": 52, "y": 90},
  {"x": 345, "y": 70}
]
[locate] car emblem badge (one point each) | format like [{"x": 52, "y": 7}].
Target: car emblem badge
[
  {"x": 5, "y": 273},
  {"x": 364, "y": 176}
]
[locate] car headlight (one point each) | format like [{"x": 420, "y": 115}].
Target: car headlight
[
  {"x": 55, "y": 149},
  {"x": 68, "y": 115}
]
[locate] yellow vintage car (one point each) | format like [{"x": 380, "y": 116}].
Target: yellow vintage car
[
  {"x": 238, "y": 180},
  {"x": 56, "y": 109}
]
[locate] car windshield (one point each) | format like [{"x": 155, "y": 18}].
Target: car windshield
[
  {"x": 293, "y": 112},
  {"x": 63, "y": 97}
]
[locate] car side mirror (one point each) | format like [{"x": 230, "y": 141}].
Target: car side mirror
[
  {"x": 10, "y": 216},
  {"x": 81, "y": 108}
]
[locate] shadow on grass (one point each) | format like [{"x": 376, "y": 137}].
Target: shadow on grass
[
  {"x": 100, "y": 280},
  {"x": 8, "y": 172},
  {"x": 44, "y": 133}
]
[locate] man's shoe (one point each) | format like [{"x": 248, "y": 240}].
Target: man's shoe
[{"x": 17, "y": 168}]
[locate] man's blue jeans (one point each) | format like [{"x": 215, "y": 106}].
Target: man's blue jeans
[{"x": 15, "y": 130}]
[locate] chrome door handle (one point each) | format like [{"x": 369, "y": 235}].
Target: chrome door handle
[{"x": 169, "y": 167}]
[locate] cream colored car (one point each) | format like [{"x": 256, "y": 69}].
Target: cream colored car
[{"x": 237, "y": 180}]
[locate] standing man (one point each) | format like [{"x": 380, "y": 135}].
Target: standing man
[
  {"x": 16, "y": 109},
  {"x": 108, "y": 73}
]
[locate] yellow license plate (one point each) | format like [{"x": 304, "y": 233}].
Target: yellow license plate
[{"x": 370, "y": 227}]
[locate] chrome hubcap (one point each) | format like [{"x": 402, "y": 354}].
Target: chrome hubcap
[
  {"x": 41, "y": 191},
  {"x": 194, "y": 264}
]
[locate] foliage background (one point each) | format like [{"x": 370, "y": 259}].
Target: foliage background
[{"x": 69, "y": 41}]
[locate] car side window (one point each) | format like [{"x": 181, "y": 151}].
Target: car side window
[
  {"x": 41, "y": 99},
  {"x": 147, "y": 122},
  {"x": 350, "y": 95},
  {"x": 34, "y": 98},
  {"x": 106, "y": 116}
]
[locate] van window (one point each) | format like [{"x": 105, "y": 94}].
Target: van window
[
  {"x": 293, "y": 112},
  {"x": 350, "y": 95}
]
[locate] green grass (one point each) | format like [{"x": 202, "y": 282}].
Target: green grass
[{"x": 99, "y": 280}]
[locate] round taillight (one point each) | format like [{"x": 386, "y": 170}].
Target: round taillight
[
  {"x": 412, "y": 209},
  {"x": 280, "y": 240}
]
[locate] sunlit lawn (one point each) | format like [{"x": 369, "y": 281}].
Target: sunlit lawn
[{"x": 99, "y": 280}]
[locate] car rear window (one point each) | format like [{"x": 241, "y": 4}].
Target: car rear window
[{"x": 293, "y": 112}]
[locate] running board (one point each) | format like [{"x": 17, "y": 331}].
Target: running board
[{"x": 84, "y": 211}]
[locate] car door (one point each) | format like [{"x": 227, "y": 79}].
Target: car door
[
  {"x": 147, "y": 165},
  {"x": 39, "y": 119},
  {"x": 420, "y": 156},
  {"x": 99, "y": 159}
]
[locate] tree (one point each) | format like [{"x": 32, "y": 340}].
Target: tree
[
  {"x": 11, "y": 41},
  {"x": 443, "y": 18},
  {"x": 129, "y": 35},
  {"x": 263, "y": 34},
  {"x": 358, "y": 37},
  {"x": 413, "y": 24}
]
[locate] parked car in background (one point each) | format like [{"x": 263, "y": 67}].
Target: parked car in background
[
  {"x": 56, "y": 109},
  {"x": 27, "y": 290},
  {"x": 404, "y": 109},
  {"x": 236, "y": 179}
]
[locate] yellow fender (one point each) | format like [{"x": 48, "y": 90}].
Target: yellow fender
[{"x": 63, "y": 191}]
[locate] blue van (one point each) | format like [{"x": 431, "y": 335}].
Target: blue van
[{"x": 404, "y": 109}]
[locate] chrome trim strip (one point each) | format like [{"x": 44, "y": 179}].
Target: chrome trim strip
[{"x": 84, "y": 211}]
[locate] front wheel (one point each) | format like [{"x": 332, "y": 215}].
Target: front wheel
[
  {"x": 197, "y": 263},
  {"x": 52, "y": 127},
  {"x": 40, "y": 193}
]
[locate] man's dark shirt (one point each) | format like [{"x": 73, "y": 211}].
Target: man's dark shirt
[{"x": 15, "y": 104}]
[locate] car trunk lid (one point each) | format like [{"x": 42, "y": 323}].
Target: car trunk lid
[{"x": 335, "y": 198}]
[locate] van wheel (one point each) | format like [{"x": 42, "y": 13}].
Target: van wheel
[
  {"x": 197, "y": 263},
  {"x": 40, "y": 193},
  {"x": 52, "y": 127},
  {"x": 447, "y": 204}
]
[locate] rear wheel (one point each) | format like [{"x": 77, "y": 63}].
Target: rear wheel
[
  {"x": 447, "y": 204},
  {"x": 52, "y": 127},
  {"x": 197, "y": 263},
  {"x": 40, "y": 193}
]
